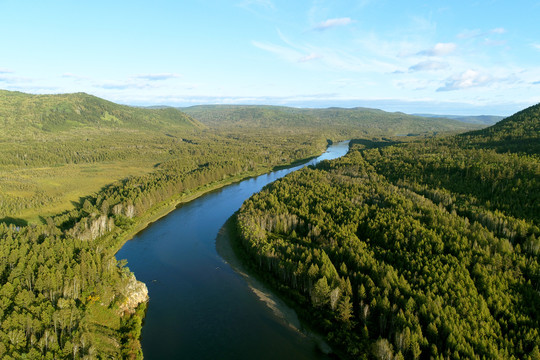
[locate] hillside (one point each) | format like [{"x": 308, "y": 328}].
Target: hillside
[
  {"x": 427, "y": 249},
  {"x": 517, "y": 133},
  {"x": 365, "y": 121},
  {"x": 479, "y": 119},
  {"x": 250, "y": 117},
  {"x": 57, "y": 149},
  {"x": 469, "y": 215},
  {"x": 71, "y": 195},
  {"x": 23, "y": 113},
  {"x": 388, "y": 123}
]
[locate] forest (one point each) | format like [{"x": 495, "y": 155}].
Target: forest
[
  {"x": 354, "y": 122},
  {"x": 418, "y": 250},
  {"x": 63, "y": 291},
  {"x": 80, "y": 175}
]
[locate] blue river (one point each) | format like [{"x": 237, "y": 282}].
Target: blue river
[{"x": 199, "y": 307}]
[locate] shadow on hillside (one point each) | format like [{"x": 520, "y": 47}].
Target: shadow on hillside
[
  {"x": 371, "y": 144},
  {"x": 79, "y": 204},
  {"x": 8, "y": 220}
]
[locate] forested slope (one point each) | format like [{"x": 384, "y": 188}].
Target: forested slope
[
  {"x": 62, "y": 292},
  {"x": 22, "y": 114},
  {"x": 78, "y": 175},
  {"x": 57, "y": 149},
  {"x": 473, "y": 119},
  {"x": 360, "y": 121},
  {"x": 517, "y": 133},
  {"x": 421, "y": 250}
]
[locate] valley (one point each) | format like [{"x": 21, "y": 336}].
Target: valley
[
  {"x": 81, "y": 176},
  {"x": 269, "y": 179}
]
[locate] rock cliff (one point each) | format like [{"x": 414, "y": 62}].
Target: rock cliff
[{"x": 135, "y": 292}]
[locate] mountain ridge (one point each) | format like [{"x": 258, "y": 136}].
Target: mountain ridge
[
  {"x": 373, "y": 121},
  {"x": 519, "y": 132},
  {"x": 62, "y": 112},
  {"x": 472, "y": 119}
]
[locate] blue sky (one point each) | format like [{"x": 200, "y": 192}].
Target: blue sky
[{"x": 452, "y": 57}]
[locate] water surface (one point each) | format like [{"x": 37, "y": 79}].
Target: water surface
[{"x": 199, "y": 307}]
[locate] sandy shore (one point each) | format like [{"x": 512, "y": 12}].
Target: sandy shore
[{"x": 284, "y": 312}]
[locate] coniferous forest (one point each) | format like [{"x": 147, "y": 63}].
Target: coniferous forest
[
  {"x": 422, "y": 250},
  {"x": 269, "y": 179},
  {"x": 63, "y": 293},
  {"x": 423, "y": 247}
]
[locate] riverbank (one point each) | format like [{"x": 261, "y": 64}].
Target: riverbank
[
  {"x": 162, "y": 209},
  {"x": 230, "y": 252},
  {"x": 117, "y": 239},
  {"x": 195, "y": 297}
]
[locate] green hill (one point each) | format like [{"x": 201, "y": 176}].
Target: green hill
[
  {"x": 479, "y": 119},
  {"x": 55, "y": 149},
  {"x": 426, "y": 249},
  {"x": 517, "y": 133},
  {"x": 249, "y": 116},
  {"x": 63, "y": 112},
  {"x": 392, "y": 123},
  {"x": 79, "y": 176},
  {"x": 369, "y": 121}
]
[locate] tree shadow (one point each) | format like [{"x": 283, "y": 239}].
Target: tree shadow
[
  {"x": 8, "y": 220},
  {"x": 79, "y": 204},
  {"x": 375, "y": 143}
]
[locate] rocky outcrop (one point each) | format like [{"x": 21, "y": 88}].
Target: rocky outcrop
[
  {"x": 100, "y": 226},
  {"x": 128, "y": 210},
  {"x": 92, "y": 227},
  {"x": 117, "y": 209},
  {"x": 134, "y": 293}
]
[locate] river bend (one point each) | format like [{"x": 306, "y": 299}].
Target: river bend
[{"x": 200, "y": 308}]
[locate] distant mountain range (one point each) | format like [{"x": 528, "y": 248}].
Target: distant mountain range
[
  {"x": 22, "y": 113},
  {"x": 480, "y": 119},
  {"x": 372, "y": 121}
]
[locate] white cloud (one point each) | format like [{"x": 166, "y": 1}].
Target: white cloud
[
  {"x": 465, "y": 80},
  {"x": 268, "y": 4},
  {"x": 281, "y": 51},
  {"x": 285, "y": 39},
  {"x": 334, "y": 58},
  {"x": 8, "y": 77},
  {"x": 70, "y": 75},
  {"x": 428, "y": 66},
  {"x": 440, "y": 49},
  {"x": 498, "y": 30},
  {"x": 309, "y": 57},
  {"x": 141, "y": 81},
  {"x": 330, "y": 23},
  {"x": 347, "y": 61},
  {"x": 536, "y": 46},
  {"x": 76, "y": 77},
  {"x": 120, "y": 85},
  {"x": 157, "y": 77},
  {"x": 490, "y": 42},
  {"x": 414, "y": 84},
  {"x": 469, "y": 34},
  {"x": 5, "y": 71}
]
